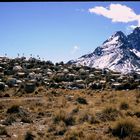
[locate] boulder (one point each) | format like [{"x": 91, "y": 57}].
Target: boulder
[
  {"x": 1, "y": 69},
  {"x": 117, "y": 86},
  {"x": 31, "y": 75},
  {"x": 11, "y": 82},
  {"x": 21, "y": 74},
  {"x": 17, "y": 68},
  {"x": 65, "y": 71},
  {"x": 30, "y": 87},
  {"x": 95, "y": 85},
  {"x": 2, "y": 85}
]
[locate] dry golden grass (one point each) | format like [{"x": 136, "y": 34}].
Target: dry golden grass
[{"x": 56, "y": 114}]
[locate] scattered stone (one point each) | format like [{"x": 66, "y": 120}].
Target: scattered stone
[{"x": 30, "y": 87}]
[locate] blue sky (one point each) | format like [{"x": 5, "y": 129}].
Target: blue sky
[{"x": 61, "y": 31}]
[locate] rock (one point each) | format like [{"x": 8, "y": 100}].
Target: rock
[
  {"x": 49, "y": 73},
  {"x": 11, "y": 82},
  {"x": 21, "y": 74},
  {"x": 95, "y": 86},
  {"x": 19, "y": 82},
  {"x": 117, "y": 86},
  {"x": 1, "y": 69},
  {"x": 91, "y": 75},
  {"x": 65, "y": 71},
  {"x": 17, "y": 68},
  {"x": 30, "y": 87},
  {"x": 31, "y": 75},
  {"x": 2, "y": 85},
  {"x": 8, "y": 72}
]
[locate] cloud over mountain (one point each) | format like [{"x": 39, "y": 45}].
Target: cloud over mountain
[{"x": 117, "y": 13}]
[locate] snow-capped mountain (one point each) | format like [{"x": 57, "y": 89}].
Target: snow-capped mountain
[{"x": 119, "y": 53}]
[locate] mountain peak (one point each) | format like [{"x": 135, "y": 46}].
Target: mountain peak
[
  {"x": 119, "y": 33},
  {"x": 136, "y": 30},
  {"x": 119, "y": 53},
  {"x": 134, "y": 38},
  {"x": 116, "y": 38}
]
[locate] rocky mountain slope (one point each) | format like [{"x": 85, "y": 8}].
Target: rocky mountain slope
[{"x": 119, "y": 53}]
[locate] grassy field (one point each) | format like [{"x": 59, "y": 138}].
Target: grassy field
[{"x": 57, "y": 114}]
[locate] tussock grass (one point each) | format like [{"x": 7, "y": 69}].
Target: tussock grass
[
  {"x": 124, "y": 105},
  {"x": 109, "y": 113},
  {"x": 125, "y": 127},
  {"x": 3, "y": 130}
]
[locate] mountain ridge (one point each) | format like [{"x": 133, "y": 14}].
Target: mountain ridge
[{"x": 119, "y": 53}]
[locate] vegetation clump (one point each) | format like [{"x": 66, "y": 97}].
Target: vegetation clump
[
  {"x": 13, "y": 109},
  {"x": 3, "y": 131},
  {"x": 125, "y": 128},
  {"x": 124, "y": 105},
  {"x": 81, "y": 100},
  {"x": 61, "y": 115},
  {"x": 29, "y": 136},
  {"x": 108, "y": 114}
]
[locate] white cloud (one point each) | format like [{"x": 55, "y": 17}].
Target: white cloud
[
  {"x": 75, "y": 49},
  {"x": 132, "y": 26},
  {"x": 117, "y": 13}
]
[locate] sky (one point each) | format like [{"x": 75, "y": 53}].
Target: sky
[{"x": 62, "y": 31}]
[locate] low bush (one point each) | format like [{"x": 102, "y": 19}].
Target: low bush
[
  {"x": 87, "y": 117},
  {"x": 81, "y": 100},
  {"x": 16, "y": 109},
  {"x": 29, "y": 136},
  {"x": 59, "y": 116},
  {"x": 26, "y": 120},
  {"x": 137, "y": 113},
  {"x": 9, "y": 120},
  {"x": 108, "y": 114},
  {"x": 3, "y": 131},
  {"x": 68, "y": 119},
  {"x": 74, "y": 135},
  {"x": 13, "y": 109},
  {"x": 124, "y": 105},
  {"x": 125, "y": 128}
]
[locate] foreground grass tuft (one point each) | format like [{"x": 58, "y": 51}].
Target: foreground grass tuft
[
  {"x": 109, "y": 113},
  {"x": 125, "y": 128},
  {"x": 3, "y": 131},
  {"x": 124, "y": 105}
]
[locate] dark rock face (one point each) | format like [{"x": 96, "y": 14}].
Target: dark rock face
[{"x": 134, "y": 38}]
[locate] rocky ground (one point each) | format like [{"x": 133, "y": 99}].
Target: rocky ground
[{"x": 45, "y": 101}]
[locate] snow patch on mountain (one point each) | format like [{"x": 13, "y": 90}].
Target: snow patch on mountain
[{"x": 119, "y": 53}]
